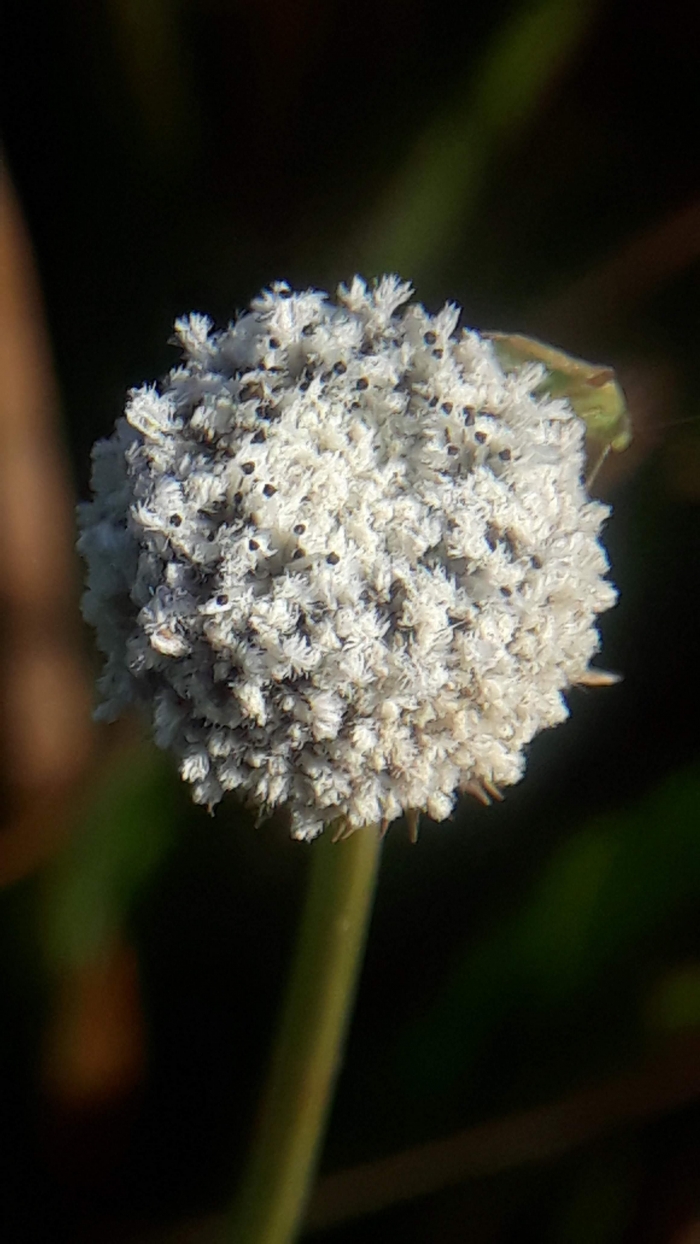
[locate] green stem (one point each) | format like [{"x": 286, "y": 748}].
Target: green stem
[{"x": 309, "y": 1042}]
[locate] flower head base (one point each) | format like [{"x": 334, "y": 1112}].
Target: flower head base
[{"x": 349, "y": 563}]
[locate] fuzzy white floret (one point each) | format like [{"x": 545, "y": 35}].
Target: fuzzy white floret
[{"x": 349, "y": 563}]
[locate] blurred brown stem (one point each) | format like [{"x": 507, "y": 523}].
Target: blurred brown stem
[
  {"x": 538, "y": 1135},
  {"x": 643, "y": 263},
  {"x": 662, "y": 1083},
  {"x": 46, "y": 733}
]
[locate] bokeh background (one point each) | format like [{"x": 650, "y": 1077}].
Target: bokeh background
[{"x": 531, "y": 995}]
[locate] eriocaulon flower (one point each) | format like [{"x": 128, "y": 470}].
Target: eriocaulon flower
[{"x": 346, "y": 561}]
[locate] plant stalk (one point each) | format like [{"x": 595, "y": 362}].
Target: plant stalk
[{"x": 309, "y": 1042}]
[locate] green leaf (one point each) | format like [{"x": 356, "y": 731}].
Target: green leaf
[
  {"x": 89, "y": 891},
  {"x": 606, "y": 888}
]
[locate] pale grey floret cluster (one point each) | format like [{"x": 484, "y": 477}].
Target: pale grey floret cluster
[{"x": 349, "y": 564}]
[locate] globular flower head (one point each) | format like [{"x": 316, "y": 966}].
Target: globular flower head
[{"x": 348, "y": 563}]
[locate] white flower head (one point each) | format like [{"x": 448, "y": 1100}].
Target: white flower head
[{"x": 348, "y": 563}]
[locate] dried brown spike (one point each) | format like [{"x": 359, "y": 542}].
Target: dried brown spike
[
  {"x": 475, "y": 788},
  {"x": 341, "y": 829},
  {"x": 598, "y": 678},
  {"x": 384, "y": 827},
  {"x": 491, "y": 788}
]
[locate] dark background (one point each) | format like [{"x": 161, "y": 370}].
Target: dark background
[{"x": 539, "y": 164}]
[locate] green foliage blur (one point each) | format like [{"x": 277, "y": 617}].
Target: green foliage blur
[{"x": 529, "y": 160}]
